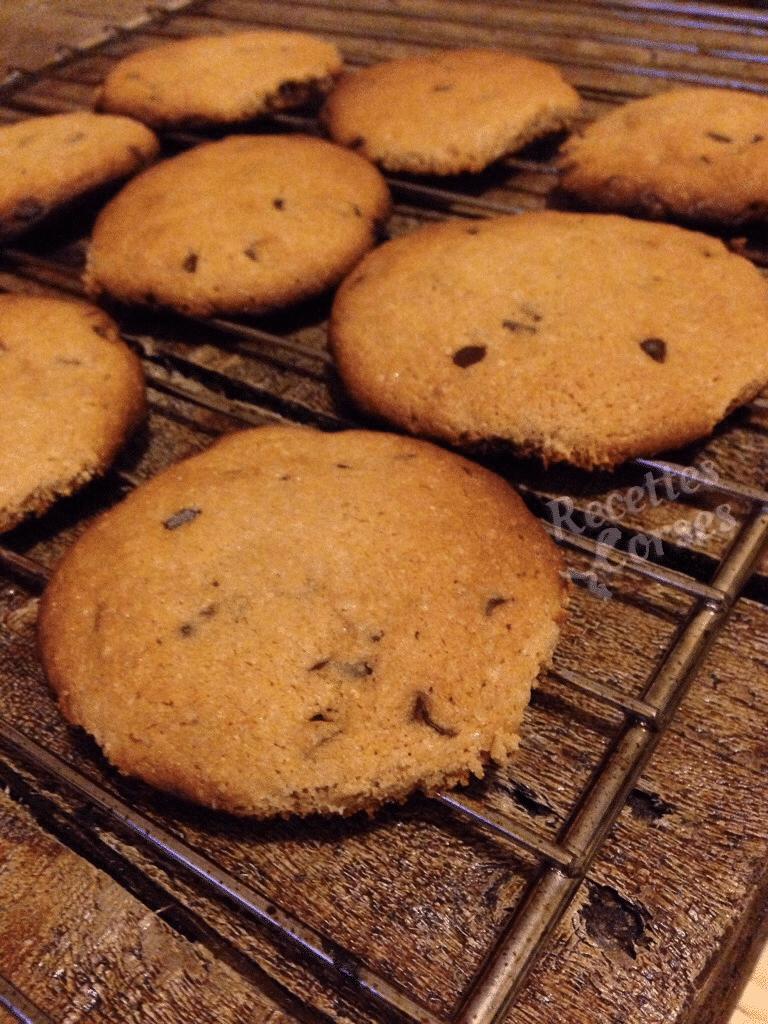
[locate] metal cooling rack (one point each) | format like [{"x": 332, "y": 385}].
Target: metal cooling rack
[{"x": 563, "y": 862}]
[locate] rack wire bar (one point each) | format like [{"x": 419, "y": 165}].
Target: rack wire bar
[
  {"x": 248, "y": 333},
  {"x": 566, "y": 860},
  {"x": 177, "y": 390},
  {"x": 316, "y": 948},
  {"x": 505, "y": 970},
  {"x": 731, "y": 488},
  {"x": 258, "y": 397},
  {"x": 154, "y": 14},
  {"x": 639, "y": 709},
  {"x": 502, "y": 829},
  {"x": 449, "y": 199},
  {"x": 17, "y": 1003},
  {"x": 66, "y": 277},
  {"x": 710, "y": 12},
  {"x": 651, "y": 570},
  {"x": 32, "y": 573}
]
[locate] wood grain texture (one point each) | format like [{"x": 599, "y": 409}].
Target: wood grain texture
[
  {"x": 96, "y": 926},
  {"x": 83, "y": 949},
  {"x": 685, "y": 865},
  {"x": 33, "y": 35}
]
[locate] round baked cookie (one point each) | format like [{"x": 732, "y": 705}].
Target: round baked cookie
[
  {"x": 689, "y": 154},
  {"x": 296, "y": 621},
  {"x": 447, "y": 111},
  {"x": 245, "y": 224},
  {"x": 208, "y": 80},
  {"x": 48, "y": 161},
  {"x": 72, "y": 392},
  {"x": 588, "y": 338}
]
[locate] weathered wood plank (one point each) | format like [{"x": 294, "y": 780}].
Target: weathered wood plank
[
  {"x": 34, "y": 35},
  {"x": 79, "y": 947},
  {"x": 665, "y": 883},
  {"x": 672, "y": 901},
  {"x": 368, "y": 884}
]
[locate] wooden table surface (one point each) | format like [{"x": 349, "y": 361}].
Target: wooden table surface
[
  {"x": 34, "y": 32},
  {"x": 135, "y": 959}
]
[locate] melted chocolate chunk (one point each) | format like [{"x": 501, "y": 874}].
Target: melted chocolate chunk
[
  {"x": 184, "y": 515},
  {"x": 469, "y": 355},
  {"x": 520, "y": 325},
  {"x": 516, "y": 325},
  {"x": 190, "y": 263},
  {"x": 493, "y": 603},
  {"x": 421, "y": 713},
  {"x": 279, "y": 204},
  {"x": 718, "y": 137},
  {"x": 655, "y": 348}
]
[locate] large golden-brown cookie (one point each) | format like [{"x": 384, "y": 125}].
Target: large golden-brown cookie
[
  {"x": 71, "y": 390},
  {"x": 297, "y": 621},
  {"x": 448, "y": 111},
  {"x": 205, "y": 80},
  {"x": 48, "y": 161},
  {"x": 588, "y": 338},
  {"x": 690, "y": 155},
  {"x": 246, "y": 224}
]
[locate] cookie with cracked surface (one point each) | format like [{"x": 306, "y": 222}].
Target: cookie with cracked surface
[
  {"x": 693, "y": 155},
  {"x": 72, "y": 392},
  {"x": 245, "y": 224},
  {"x": 448, "y": 111},
  {"x": 296, "y": 621},
  {"x": 585, "y": 338},
  {"x": 210, "y": 80},
  {"x": 49, "y": 161}
]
